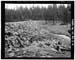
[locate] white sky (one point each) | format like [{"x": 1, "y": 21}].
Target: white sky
[{"x": 14, "y": 6}]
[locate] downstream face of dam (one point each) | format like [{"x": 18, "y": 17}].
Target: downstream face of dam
[{"x": 35, "y": 39}]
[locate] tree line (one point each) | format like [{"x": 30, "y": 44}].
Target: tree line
[{"x": 54, "y": 14}]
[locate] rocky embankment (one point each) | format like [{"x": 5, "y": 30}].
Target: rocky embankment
[{"x": 29, "y": 40}]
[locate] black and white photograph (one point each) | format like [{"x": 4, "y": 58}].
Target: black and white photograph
[{"x": 37, "y": 30}]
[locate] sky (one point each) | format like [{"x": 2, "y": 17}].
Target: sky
[{"x": 15, "y": 6}]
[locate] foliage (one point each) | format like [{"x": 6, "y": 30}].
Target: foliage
[{"x": 51, "y": 13}]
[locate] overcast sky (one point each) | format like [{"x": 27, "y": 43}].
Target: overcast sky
[{"x": 14, "y": 6}]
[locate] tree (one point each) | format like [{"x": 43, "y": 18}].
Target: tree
[
  {"x": 36, "y": 13},
  {"x": 54, "y": 13}
]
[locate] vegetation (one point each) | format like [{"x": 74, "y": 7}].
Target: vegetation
[{"x": 54, "y": 14}]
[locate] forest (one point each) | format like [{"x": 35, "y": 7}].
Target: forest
[{"x": 54, "y": 14}]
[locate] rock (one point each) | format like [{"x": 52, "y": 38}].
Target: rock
[
  {"x": 65, "y": 40},
  {"x": 53, "y": 49},
  {"x": 11, "y": 54},
  {"x": 43, "y": 52},
  {"x": 65, "y": 37}
]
